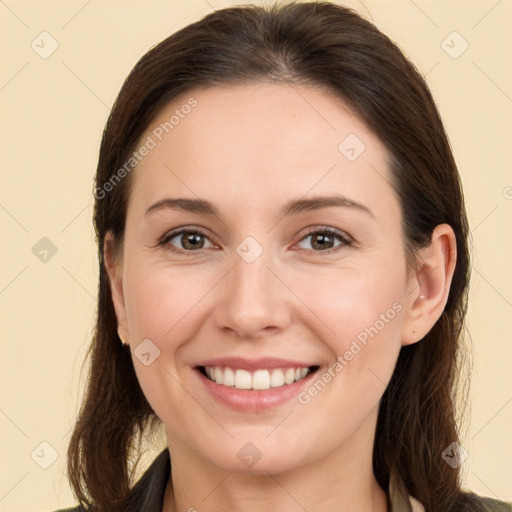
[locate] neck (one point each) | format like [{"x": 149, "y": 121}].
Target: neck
[{"x": 343, "y": 481}]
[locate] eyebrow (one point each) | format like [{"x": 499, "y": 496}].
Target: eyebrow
[{"x": 294, "y": 207}]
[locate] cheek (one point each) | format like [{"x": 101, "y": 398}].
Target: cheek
[
  {"x": 353, "y": 303},
  {"x": 160, "y": 302},
  {"x": 162, "y": 306},
  {"x": 359, "y": 318}
]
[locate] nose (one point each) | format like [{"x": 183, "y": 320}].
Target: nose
[{"x": 255, "y": 301}]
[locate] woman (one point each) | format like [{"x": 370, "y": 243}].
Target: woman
[{"x": 284, "y": 268}]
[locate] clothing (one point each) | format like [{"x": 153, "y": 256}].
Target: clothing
[{"x": 149, "y": 492}]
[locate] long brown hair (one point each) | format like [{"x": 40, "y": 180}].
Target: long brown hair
[{"x": 333, "y": 47}]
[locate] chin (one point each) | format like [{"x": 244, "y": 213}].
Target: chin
[{"x": 257, "y": 453}]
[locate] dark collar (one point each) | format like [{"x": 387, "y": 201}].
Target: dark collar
[{"x": 149, "y": 492}]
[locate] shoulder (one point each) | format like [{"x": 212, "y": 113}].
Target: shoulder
[
  {"x": 148, "y": 493},
  {"x": 71, "y": 509},
  {"x": 496, "y": 506},
  {"x": 469, "y": 501}
]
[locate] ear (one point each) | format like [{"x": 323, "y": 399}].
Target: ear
[
  {"x": 114, "y": 267},
  {"x": 429, "y": 284}
]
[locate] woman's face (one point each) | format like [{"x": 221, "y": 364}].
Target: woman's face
[{"x": 258, "y": 286}]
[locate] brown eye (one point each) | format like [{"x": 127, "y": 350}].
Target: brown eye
[
  {"x": 324, "y": 240},
  {"x": 189, "y": 240}
]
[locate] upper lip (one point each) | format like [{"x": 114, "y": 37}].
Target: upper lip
[{"x": 254, "y": 364}]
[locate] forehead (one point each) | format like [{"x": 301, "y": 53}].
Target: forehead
[{"x": 261, "y": 143}]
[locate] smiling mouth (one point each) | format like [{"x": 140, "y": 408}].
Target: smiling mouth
[{"x": 257, "y": 380}]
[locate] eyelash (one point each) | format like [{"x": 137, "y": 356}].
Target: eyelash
[{"x": 345, "y": 240}]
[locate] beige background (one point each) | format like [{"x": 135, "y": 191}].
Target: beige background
[{"x": 53, "y": 111}]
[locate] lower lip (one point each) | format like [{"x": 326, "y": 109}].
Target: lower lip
[{"x": 252, "y": 399}]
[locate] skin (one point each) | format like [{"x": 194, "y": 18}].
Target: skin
[{"x": 249, "y": 149}]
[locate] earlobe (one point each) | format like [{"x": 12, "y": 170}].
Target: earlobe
[
  {"x": 113, "y": 266},
  {"x": 429, "y": 285}
]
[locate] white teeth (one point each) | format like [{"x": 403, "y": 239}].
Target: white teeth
[
  {"x": 218, "y": 375},
  {"x": 228, "y": 378},
  {"x": 289, "y": 376},
  {"x": 260, "y": 379},
  {"x": 243, "y": 379},
  {"x": 276, "y": 378}
]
